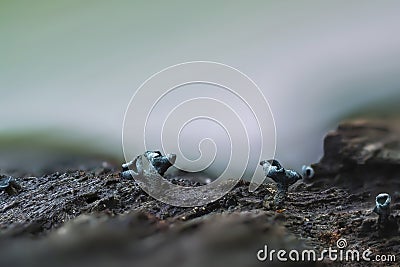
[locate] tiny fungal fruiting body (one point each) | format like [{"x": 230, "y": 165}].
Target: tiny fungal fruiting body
[
  {"x": 307, "y": 171},
  {"x": 159, "y": 162},
  {"x": 382, "y": 208},
  {"x": 283, "y": 178},
  {"x": 126, "y": 172}
]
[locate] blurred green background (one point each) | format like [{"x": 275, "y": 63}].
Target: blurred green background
[{"x": 69, "y": 68}]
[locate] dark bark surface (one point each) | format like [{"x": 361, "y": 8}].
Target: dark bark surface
[{"x": 83, "y": 218}]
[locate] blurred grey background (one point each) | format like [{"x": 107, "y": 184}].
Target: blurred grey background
[{"x": 69, "y": 68}]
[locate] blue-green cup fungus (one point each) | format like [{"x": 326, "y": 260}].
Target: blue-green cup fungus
[{"x": 282, "y": 177}]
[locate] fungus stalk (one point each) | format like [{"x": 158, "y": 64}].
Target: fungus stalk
[{"x": 280, "y": 196}]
